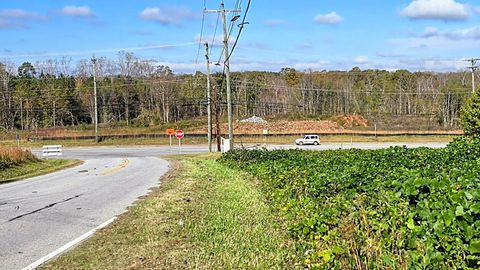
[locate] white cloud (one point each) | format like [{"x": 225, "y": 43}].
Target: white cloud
[
  {"x": 414, "y": 64},
  {"x": 167, "y": 15},
  {"x": 78, "y": 11},
  {"x": 430, "y": 32},
  {"x": 390, "y": 54},
  {"x": 273, "y": 22},
  {"x": 20, "y": 14},
  {"x": 439, "y": 42},
  {"x": 17, "y": 18},
  {"x": 329, "y": 18},
  {"x": 471, "y": 33},
  {"x": 444, "y": 10},
  {"x": 4, "y": 24},
  {"x": 218, "y": 41},
  {"x": 442, "y": 65},
  {"x": 361, "y": 59},
  {"x": 305, "y": 45},
  {"x": 467, "y": 33}
]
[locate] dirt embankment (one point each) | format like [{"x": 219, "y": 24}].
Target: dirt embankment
[{"x": 338, "y": 123}]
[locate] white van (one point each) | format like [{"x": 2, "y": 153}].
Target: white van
[{"x": 308, "y": 139}]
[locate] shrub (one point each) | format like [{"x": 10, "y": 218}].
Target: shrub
[
  {"x": 394, "y": 208},
  {"x": 12, "y": 156},
  {"x": 470, "y": 115}
]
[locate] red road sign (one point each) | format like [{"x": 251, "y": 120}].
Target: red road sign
[{"x": 179, "y": 134}]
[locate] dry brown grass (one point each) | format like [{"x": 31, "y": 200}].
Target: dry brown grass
[{"x": 11, "y": 156}]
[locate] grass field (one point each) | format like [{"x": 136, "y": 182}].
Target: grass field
[
  {"x": 34, "y": 168},
  {"x": 204, "y": 216},
  {"x": 16, "y": 164}
]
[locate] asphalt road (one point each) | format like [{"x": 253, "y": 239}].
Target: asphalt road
[
  {"x": 41, "y": 214},
  {"x": 357, "y": 145},
  {"x": 140, "y": 151}
]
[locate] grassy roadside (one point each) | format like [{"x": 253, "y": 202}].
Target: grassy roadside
[
  {"x": 204, "y": 216},
  {"x": 35, "y": 168}
]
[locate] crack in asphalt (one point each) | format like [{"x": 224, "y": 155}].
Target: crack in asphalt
[{"x": 45, "y": 207}]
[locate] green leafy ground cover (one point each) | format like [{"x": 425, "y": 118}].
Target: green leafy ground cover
[
  {"x": 203, "y": 216},
  {"x": 395, "y": 208}
]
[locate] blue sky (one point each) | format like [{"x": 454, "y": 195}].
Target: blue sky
[{"x": 304, "y": 34}]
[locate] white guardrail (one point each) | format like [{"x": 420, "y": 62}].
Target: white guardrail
[{"x": 51, "y": 150}]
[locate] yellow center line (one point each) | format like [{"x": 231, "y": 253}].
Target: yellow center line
[{"x": 118, "y": 168}]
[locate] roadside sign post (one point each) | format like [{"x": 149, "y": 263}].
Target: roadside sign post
[
  {"x": 179, "y": 134},
  {"x": 265, "y": 134},
  {"x": 170, "y": 133},
  {"x": 179, "y": 146}
]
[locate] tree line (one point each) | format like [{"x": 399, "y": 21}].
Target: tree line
[{"x": 132, "y": 91}]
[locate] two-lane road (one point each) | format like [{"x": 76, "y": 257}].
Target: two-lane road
[{"x": 39, "y": 215}]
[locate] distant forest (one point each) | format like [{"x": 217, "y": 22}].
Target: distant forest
[{"x": 132, "y": 91}]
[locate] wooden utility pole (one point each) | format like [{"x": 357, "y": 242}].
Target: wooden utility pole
[
  {"x": 21, "y": 113},
  {"x": 54, "y": 114},
  {"x": 227, "y": 75},
  {"x": 227, "y": 68},
  {"x": 473, "y": 67},
  {"x": 216, "y": 109},
  {"x": 209, "y": 107},
  {"x": 95, "y": 120}
]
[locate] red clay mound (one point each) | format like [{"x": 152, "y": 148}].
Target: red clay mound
[
  {"x": 349, "y": 121},
  {"x": 307, "y": 126}
]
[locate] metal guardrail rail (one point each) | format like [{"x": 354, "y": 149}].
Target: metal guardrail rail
[{"x": 51, "y": 150}]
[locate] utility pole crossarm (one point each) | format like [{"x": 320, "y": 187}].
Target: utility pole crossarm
[
  {"x": 473, "y": 67},
  {"x": 222, "y": 11}
]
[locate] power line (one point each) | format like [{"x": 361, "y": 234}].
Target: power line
[
  {"x": 109, "y": 86},
  {"x": 201, "y": 31},
  {"x": 242, "y": 25},
  {"x": 216, "y": 26},
  {"x": 98, "y": 51},
  {"x": 376, "y": 91},
  {"x": 234, "y": 17}
]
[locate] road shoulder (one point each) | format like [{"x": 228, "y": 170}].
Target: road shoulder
[{"x": 203, "y": 216}]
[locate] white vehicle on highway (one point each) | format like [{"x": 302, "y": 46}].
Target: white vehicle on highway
[{"x": 308, "y": 139}]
